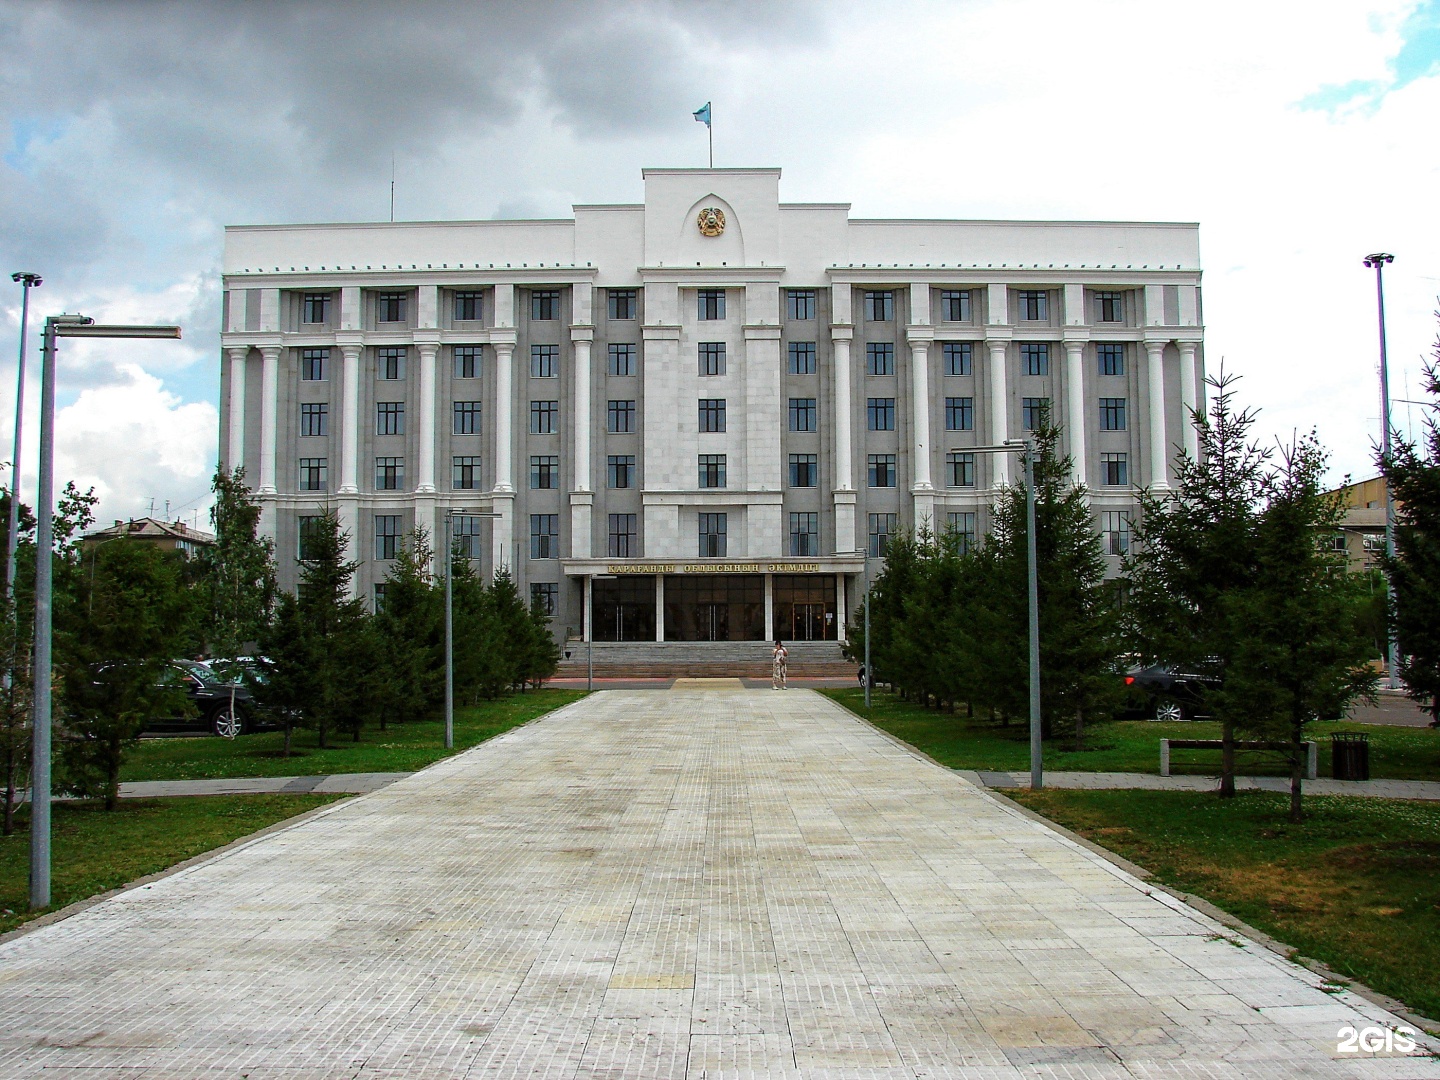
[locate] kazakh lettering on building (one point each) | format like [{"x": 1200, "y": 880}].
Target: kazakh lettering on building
[{"x": 714, "y": 568}]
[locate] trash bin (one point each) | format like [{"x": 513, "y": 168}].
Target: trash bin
[{"x": 1350, "y": 755}]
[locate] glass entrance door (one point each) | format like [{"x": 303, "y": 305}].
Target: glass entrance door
[
  {"x": 713, "y": 621},
  {"x": 808, "y": 623}
]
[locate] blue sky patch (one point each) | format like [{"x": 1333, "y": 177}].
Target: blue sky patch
[
  {"x": 1418, "y": 58},
  {"x": 27, "y": 130}
]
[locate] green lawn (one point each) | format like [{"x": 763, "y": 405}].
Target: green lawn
[
  {"x": 1396, "y": 753},
  {"x": 93, "y": 851},
  {"x": 1356, "y": 886},
  {"x": 403, "y": 748}
]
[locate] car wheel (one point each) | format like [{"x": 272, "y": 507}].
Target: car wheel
[
  {"x": 227, "y": 723},
  {"x": 1169, "y": 710}
]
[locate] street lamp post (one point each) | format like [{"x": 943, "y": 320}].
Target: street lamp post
[
  {"x": 868, "y": 679},
  {"x": 56, "y": 326},
  {"x": 26, "y": 281},
  {"x": 450, "y": 515},
  {"x": 1377, "y": 263}
]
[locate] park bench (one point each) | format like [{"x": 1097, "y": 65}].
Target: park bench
[{"x": 1312, "y": 753}]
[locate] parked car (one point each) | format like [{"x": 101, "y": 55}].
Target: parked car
[
  {"x": 1169, "y": 692},
  {"x": 220, "y": 703}
]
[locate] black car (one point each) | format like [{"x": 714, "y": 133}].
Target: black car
[
  {"x": 219, "y": 704},
  {"x": 1170, "y": 692}
]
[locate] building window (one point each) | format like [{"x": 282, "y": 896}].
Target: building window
[
  {"x": 389, "y": 418},
  {"x": 545, "y": 471},
  {"x": 621, "y": 417},
  {"x": 712, "y": 358},
  {"x": 622, "y": 303},
  {"x": 465, "y": 535},
  {"x": 959, "y": 356},
  {"x": 882, "y": 527},
  {"x": 390, "y": 364},
  {"x": 805, "y": 534},
  {"x": 313, "y": 363},
  {"x": 1115, "y": 532},
  {"x": 1112, "y": 358},
  {"x": 1035, "y": 358},
  {"x": 313, "y": 474},
  {"x": 800, "y": 303},
  {"x": 621, "y": 543},
  {"x": 802, "y": 414},
  {"x": 879, "y": 358},
  {"x": 959, "y": 413},
  {"x": 390, "y": 307},
  {"x": 311, "y": 527},
  {"x": 469, "y": 306},
  {"x": 961, "y": 466},
  {"x": 882, "y": 470},
  {"x": 1033, "y": 411},
  {"x": 545, "y": 597},
  {"x": 1114, "y": 470},
  {"x": 712, "y": 536},
  {"x": 880, "y": 413},
  {"x": 712, "y": 470},
  {"x": 804, "y": 470},
  {"x": 622, "y": 360},
  {"x": 467, "y": 361},
  {"x": 955, "y": 305},
  {"x": 544, "y": 536},
  {"x": 710, "y": 304},
  {"x": 962, "y": 526},
  {"x": 544, "y": 417},
  {"x": 879, "y": 306},
  {"x": 620, "y": 470},
  {"x": 467, "y": 417},
  {"x": 1034, "y": 305},
  {"x": 712, "y": 414},
  {"x": 1109, "y": 307},
  {"x": 387, "y": 535},
  {"x": 544, "y": 305},
  {"x": 544, "y": 361},
  {"x": 379, "y": 595},
  {"x": 802, "y": 358},
  {"x": 314, "y": 419},
  {"x": 389, "y": 473},
  {"x": 1112, "y": 414},
  {"x": 315, "y": 307},
  {"x": 465, "y": 475}
]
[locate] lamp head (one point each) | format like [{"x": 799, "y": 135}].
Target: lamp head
[
  {"x": 24, "y": 277},
  {"x": 1379, "y": 259}
]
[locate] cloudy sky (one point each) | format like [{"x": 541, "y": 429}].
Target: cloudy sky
[{"x": 1301, "y": 135}]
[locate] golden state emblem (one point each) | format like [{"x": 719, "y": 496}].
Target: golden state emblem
[{"x": 711, "y": 221}]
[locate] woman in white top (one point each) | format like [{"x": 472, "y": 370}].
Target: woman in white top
[{"x": 778, "y": 671}]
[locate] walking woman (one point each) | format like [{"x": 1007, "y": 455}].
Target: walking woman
[{"x": 778, "y": 670}]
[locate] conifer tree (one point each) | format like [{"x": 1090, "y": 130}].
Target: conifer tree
[
  {"x": 236, "y": 574},
  {"x": 410, "y": 625}
]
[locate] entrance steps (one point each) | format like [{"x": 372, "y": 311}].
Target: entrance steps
[{"x": 703, "y": 659}]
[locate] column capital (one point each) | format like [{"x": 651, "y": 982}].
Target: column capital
[
  {"x": 427, "y": 349},
  {"x": 919, "y": 335},
  {"x": 270, "y": 352},
  {"x": 1075, "y": 335},
  {"x": 503, "y": 337},
  {"x": 237, "y": 353},
  {"x": 1156, "y": 341},
  {"x": 998, "y": 337},
  {"x": 1187, "y": 345},
  {"x": 582, "y": 332},
  {"x": 842, "y": 332}
]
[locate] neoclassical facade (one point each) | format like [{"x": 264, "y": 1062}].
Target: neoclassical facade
[{"x": 692, "y": 418}]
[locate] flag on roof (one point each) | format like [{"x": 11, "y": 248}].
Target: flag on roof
[{"x": 702, "y": 114}]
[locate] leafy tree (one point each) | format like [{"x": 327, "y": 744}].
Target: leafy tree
[{"x": 236, "y": 574}]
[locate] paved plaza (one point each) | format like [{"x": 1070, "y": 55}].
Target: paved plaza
[{"x": 696, "y": 883}]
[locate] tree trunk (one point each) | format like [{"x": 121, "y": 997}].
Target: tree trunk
[
  {"x": 112, "y": 784},
  {"x": 357, "y": 734},
  {"x": 1080, "y": 729},
  {"x": 288, "y": 729},
  {"x": 9, "y": 826},
  {"x": 1227, "y": 760},
  {"x": 320, "y": 736},
  {"x": 1297, "y": 772}
]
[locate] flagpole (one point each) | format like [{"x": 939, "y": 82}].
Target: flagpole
[{"x": 711, "y": 132}]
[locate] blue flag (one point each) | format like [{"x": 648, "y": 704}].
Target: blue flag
[{"x": 702, "y": 114}]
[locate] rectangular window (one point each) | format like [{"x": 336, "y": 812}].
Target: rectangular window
[
  {"x": 1114, "y": 470},
  {"x": 465, "y": 475},
  {"x": 544, "y": 305},
  {"x": 712, "y": 358},
  {"x": 800, "y": 303},
  {"x": 1035, "y": 358},
  {"x": 465, "y": 533},
  {"x": 882, "y": 527},
  {"x": 311, "y": 527},
  {"x": 621, "y": 417},
  {"x": 959, "y": 413},
  {"x": 802, "y": 414},
  {"x": 544, "y": 536},
  {"x": 879, "y": 305},
  {"x": 805, "y": 534},
  {"x": 959, "y": 357},
  {"x": 315, "y": 307},
  {"x": 467, "y": 361},
  {"x": 469, "y": 306},
  {"x": 544, "y": 361},
  {"x": 955, "y": 305},
  {"x": 389, "y": 418},
  {"x": 387, "y": 536},
  {"x": 379, "y": 597},
  {"x": 804, "y": 470},
  {"x": 545, "y": 597},
  {"x": 622, "y": 303},
  {"x": 962, "y": 526},
  {"x": 314, "y": 419},
  {"x": 712, "y": 470},
  {"x": 390, "y": 364},
  {"x": 313, "y": 363},
  {"x": 1033, "y": 411},
  {"x": 880, "y": 413},
  {"x": 544, "y": 417},
  {"x": 390, "y": 307},
  {"x": 621, "y": 543},
  {"x": 467, "y": 417},
  {"x": 620, "y": 470},
  {"x": 545, "y": 471},
  {"x": 1112, "y": 414},
  {"x": 1109, "y": 307},
  {"x": 882, "y": 470},
  {"x": 313, "y": 474},
  {"x": 802, "y": 358},
  {"x": 1111, "y": 356},
  {"x": 712, "y": 414},
  {"x": 622, "y": 360},
  {"x": 961, "y": 467},
  {"x": 389, "y": 473},
  {"x": 1115, "y": 532},
  {"x": 1034, "y": 305},
  {"x": 710, "y": 304},
  {"x": 879, "y": 358},
  {"x": 712, "y": 536}
]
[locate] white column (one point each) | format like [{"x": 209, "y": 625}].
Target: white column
[
  {"x": 235, "y": 457},
  {"x": 769, "y": 607},
  {"x": 1189, "y": 395},
  {"x": 504, "y": 412},
  {"x": 920, "y": 412},
  {"x": 425, "y": 478},
  {"x": 586, "y": 626},
  {"x": 1155, "y": 403},
  {"x": 269, "y": 402},
  {"x": 350, "y": 420},
  {"x": 1075, "y": 407},
  {"x": 999, "y": 408},
  {"x": 840, "y": 614},
  {"x": 582, "y": 337},
  {"x": 844, "y": 479},
  {"x": 659, "y": 607}
]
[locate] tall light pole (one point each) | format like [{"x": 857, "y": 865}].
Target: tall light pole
[
  {"x": 26, "y": 281},
  {"x": 1377, "y": 263},
  {"x": 56, "y": 326},
  {"x": 450, "y": 514},
  {"x": 868, "y": 679}
]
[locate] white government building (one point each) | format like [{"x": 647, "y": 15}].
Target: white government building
[{"x": 691, "y": 418}]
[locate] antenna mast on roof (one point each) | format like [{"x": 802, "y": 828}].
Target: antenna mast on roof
[{"x": 392, "y": 187}]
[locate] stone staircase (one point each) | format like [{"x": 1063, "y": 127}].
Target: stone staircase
[{"x": 702, "y": 659}]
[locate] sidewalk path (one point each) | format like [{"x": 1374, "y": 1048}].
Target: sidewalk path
[
  {"x": 690, "y": 884},
  {"x": 1097, "y": 781},
  {"x": 353, "y": 783}
]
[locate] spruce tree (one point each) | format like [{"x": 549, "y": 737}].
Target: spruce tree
[
  {"x": 236, "y": 574},
  {"x": 411, "y": 629}
]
